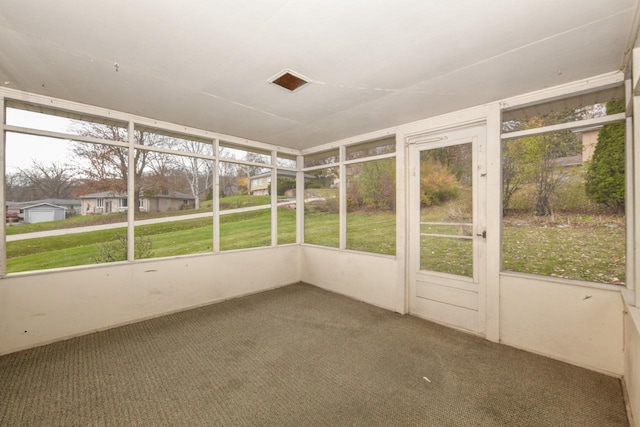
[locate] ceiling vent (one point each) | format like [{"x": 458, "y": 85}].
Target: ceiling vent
[{"x": 289, "y": 80}]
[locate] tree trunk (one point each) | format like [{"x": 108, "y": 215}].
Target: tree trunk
[{"x": 542, "y": 206}]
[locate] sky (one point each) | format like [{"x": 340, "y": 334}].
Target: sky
[{"x": 22, "y": 149}]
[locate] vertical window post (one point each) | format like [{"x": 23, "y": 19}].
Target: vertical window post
[
  {"x": 131, "y": 194},
  {"x": 216, "y": 196},
  {"x": 3, "y": 198},
  {"x": 300, "y": 201},
  {"x": 274, "y": 198},
  {"x": 630, "y": 189},
  {"x": 342, "y": 194}
]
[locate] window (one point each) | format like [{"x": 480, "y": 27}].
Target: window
[
  {"x": 72, "y": 169},
  {"x": 173, "y": 177},
  {"x": 320, "y": 159},
  {"x": 48, "y": 119},
  {"x": 174, "y": 187},
  {"x": 286, "y": 192},
  {"x": 371, "y": 198},
  {"x": 235, "y": 152},
  {"x": 245, "y": 220},
  {"x": 287, "y": 161},
  {"x": 370, "y": 149},
  {"x": 322, "y": 207},
  {"x": 370, "y": 195},
  {"x": 563, "y": 191}
]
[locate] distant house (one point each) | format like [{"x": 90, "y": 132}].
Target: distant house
[
  {"x": 43, "y": 212},
  {"x": 259, "y": 184},
  {"x": 589, "y": 142},
  {"x": 108, "y": 202},
  {"x": 167, "y": 201}
]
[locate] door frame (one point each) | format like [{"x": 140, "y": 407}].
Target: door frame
[{"x": 475, "y": 132}]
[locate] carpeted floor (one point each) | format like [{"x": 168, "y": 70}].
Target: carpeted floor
[{"x": 297, "y": 356}]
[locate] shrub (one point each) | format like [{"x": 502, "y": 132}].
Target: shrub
[
  {"x": 437, "y": 185},
  {"x": 373, "y": 186},
  {"x": 605, "y": 178},
  {"x": 284, "y": 184},
  {"x": 116, "y": 248}
]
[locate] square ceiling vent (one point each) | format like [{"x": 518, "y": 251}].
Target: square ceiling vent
[{"x": 289, "y": 80}]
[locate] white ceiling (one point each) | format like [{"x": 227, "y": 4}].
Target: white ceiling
[{"x": 373, "y": 63}]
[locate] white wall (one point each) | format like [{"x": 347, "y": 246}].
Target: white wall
[
  {"x": 369, "y": 278},
  {"x": 536, "y": 314},
  {"x": 631, "y": 376},
  {"x": 40, "y": 308},
  {"x": 577, "y": 324}
]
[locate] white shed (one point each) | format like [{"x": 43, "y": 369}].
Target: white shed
[{"x": 43, "y": 212}]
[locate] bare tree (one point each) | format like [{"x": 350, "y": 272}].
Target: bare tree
[
  {"x": 18, "y": 188},
  {"x": 197, "y": 171},
  {"x": 107, "y": 167},
  {"x": 42, "y": 181},
  {"x": 547, "y": 175}
]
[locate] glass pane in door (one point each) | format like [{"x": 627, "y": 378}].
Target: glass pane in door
[{"x": 446, "y": 209}]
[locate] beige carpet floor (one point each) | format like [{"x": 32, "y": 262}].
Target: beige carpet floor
[{"x": 297, "y": 356}]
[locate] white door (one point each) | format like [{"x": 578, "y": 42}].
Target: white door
[{"x": 446, "y": 227}]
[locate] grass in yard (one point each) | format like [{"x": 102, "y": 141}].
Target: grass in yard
[
  {"x": 112, "y": 218},
  {"x": 372, "y": 232},
  {"x": 235, "y": 202},
  {"x": 446, "y": 255},
  {"x": 56, "y": 251},
  {"x": 89, "y": 220},
  {"x": 595, "y": 253},
  {"x": 580, "y": 248},
  {"x": 322, "y": 228},
  {"x": 74, "y": 221},
  {"x": 286, "y": 226},
  {"x": 245, "y": 230},
  {"x": 179, "y": 237}
]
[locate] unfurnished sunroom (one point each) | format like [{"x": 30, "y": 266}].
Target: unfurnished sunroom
[{"x": 470, "y": 164}]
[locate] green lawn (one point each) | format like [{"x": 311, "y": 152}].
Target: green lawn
[
  {"x": 235, "y": 202},
  {"x": 112, "y": 218},
  {"x": 322, "y": 228},
  {"x": 591, "y": 250},
  {"x": 237, "y": 231},
  {"x": 595, "y": 253},
  {"x": 446, "y": 255},
  {"x": 372, "y": 232}
]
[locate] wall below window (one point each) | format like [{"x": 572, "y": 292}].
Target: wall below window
[
  {"x": 577, "y": 324},
  {"x": 37, "y": 309},
  {"x": 373, "y": 279},
  {"x": 632, "y": 355}
]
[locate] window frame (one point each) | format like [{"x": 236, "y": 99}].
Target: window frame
[
  {"x": 624, "y": 117},
  {"x": 131, "y": 123},
  {"x": 341, "y": 163}
]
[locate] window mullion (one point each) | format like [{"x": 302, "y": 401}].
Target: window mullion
[
  {"x": 131, "y": 167},
  {"x": 3, "y": 196}
]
